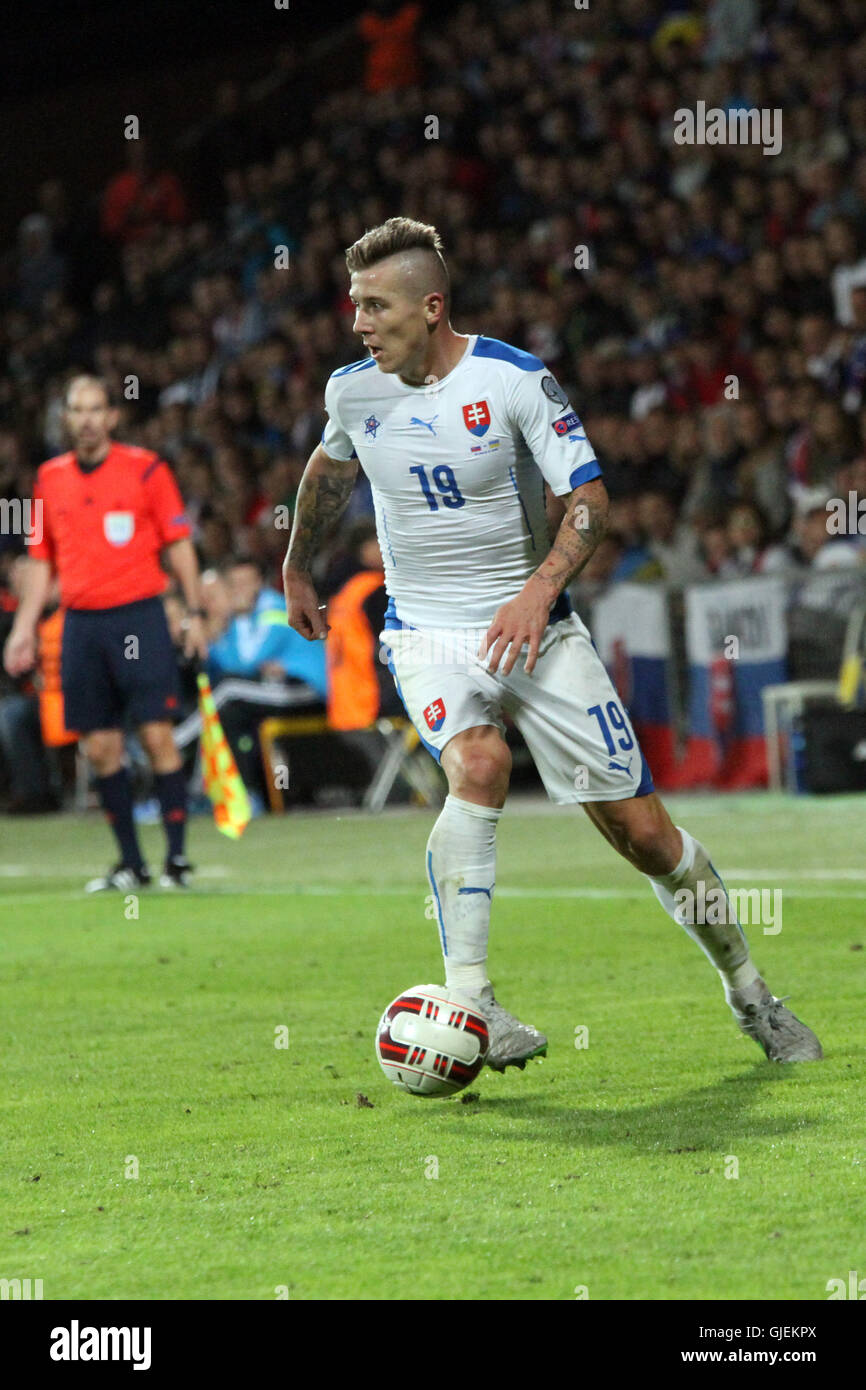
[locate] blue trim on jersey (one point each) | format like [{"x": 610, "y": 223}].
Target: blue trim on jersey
[
  {"x": 504, "y": 352},
  {"x": 438, "y": 903},
  {"x": 585, "y": 473},
  {"x": 359, "y": 366},
  {"x": 391, "y": 620}
]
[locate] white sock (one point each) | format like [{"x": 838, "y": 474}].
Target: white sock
[
  {"x": 461, "y": 867},
  {"x": 723, "y": 942}
]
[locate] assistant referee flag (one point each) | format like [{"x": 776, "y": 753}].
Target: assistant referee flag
[{"x": 222, "y": 781}]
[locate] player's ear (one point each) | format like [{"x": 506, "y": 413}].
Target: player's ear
[
  {"x": 112, "y": 419},
  {"x": 434, "y": 307}
]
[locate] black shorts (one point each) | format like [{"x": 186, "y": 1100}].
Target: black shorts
[{"x": 118, "y": 667}]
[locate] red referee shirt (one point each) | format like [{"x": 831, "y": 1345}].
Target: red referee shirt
[{"x": 103, "y": 530}]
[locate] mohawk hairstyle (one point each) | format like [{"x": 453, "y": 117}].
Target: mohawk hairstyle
[{"x": 391, "y": 238}]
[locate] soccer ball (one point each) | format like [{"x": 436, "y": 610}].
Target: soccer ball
[{"x": 431, "y": 1041}]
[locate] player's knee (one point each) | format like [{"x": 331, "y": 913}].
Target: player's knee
[
  {"x": 482, "y": 766},
  {"x": 646, "y": 843}
]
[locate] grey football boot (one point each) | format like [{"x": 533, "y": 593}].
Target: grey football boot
[
  {"x": 765, "y": 1019},
  {"x": 512, "y": 1043}
]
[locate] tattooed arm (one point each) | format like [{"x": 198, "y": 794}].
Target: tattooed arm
[
  {"x": 524, "y": 618},
  {"x": 580, "y": 531},
  {"x": 322, "y": 497}
]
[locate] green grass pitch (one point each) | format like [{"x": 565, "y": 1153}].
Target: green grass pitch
[{"x": 156, "y": 1144}]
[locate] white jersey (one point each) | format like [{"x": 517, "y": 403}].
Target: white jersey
[{"x": 457, "y": 469}]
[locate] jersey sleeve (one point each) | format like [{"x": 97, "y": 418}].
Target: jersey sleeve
[
  {"x": 336, "y": 442},
  {"x": 42, "y": 545},
  {"x": 553, "y": 433},
  {"x": 165, "y": 502}
]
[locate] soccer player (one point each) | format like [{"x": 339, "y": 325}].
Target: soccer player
[
  {"x": 108, "y": 511},
  {"x": 458, "y": 435}
]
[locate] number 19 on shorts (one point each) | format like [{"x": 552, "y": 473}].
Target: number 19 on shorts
[{"x": 615, "y": 717}]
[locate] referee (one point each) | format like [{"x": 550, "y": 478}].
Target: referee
[{"x": 108, "y": 512}]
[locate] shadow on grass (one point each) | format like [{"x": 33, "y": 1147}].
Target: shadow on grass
[{"x": 701, "y": 1119}]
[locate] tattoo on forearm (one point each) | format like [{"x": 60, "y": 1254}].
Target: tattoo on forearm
[
  {"x": 321, "y": 499},
  {"x": 582, "y": 528}
]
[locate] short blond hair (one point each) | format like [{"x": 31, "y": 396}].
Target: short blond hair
[{"x": 395, "y": 236}]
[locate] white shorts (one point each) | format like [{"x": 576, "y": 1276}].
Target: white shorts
[{"x": 568, "y": 711}]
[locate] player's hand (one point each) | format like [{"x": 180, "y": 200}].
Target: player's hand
[
  {"x": 195, "y": 638},
  {"x": 302, "y": 606},
  {"x": 19, "y": 654},
  {"x": 522, "y": 620}
]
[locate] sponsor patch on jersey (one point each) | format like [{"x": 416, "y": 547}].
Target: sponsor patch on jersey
[
  {"x": 476, "y": 418},
  {"x": 119, "y": 527},
  {"x": 434, "y": 715},
  {"x": 566, "y": 423},
  {"x": 553, "y": 391}
]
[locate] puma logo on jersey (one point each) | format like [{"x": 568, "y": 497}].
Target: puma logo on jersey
[{"x": 427, "y": 424}]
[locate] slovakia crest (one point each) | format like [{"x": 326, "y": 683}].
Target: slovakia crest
[
  {"x": 434, "y": 715},
  {"x": 476, "y": 418}
]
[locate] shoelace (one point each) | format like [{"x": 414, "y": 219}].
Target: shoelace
[
  {"x": 770, "y": 1010},
  {"x": 775, "y": 1021}
]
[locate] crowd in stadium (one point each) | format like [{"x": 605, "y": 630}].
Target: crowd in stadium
[{"x": 703, "y": 305}]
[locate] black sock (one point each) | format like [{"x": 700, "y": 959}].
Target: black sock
[
  {"x": 171, "y": 790},
  {"x": 115, "y": 793}
]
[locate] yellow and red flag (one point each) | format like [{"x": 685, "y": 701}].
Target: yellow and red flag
[{"x": 222, "y": 781}]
